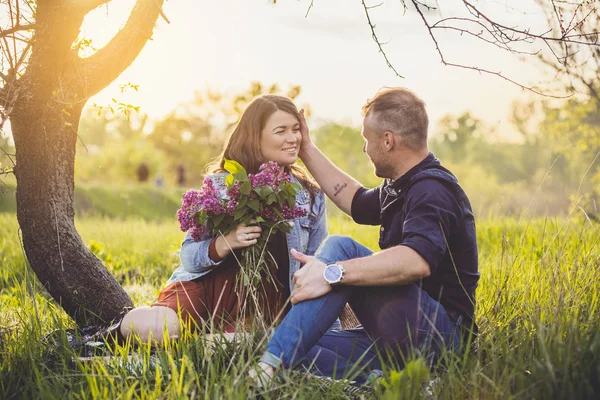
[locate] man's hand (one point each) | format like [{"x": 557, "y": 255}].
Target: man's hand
[
  {"x": 306, "y": 141},
  {"x": 308, "y": 281}
]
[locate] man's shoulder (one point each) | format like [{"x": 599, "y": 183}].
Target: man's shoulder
[
  {"x": 435, "y": 172},
  {"x": 438, "y": 186}
]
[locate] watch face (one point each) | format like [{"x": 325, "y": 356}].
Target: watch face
[{"x": 332, "y": 273}]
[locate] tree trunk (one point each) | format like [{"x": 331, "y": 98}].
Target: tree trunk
[
  {"x": 45, "y": 139},
  {"x": 50, "y": 97}
]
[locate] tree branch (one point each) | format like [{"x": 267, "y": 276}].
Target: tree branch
[
  {"x": 99, "y": 70},
  {"x": 478, "y": 69},
  {"x": 17, "y": 28},
  {"x": 376, "y": 39}
]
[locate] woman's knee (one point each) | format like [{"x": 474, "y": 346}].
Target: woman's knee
[{"x": 150, "y": 323}]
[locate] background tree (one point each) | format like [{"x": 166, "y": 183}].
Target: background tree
[{"x": 45, "y": 84}]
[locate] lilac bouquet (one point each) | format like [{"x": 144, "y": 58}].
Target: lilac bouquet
[{"x": 268, "y": 197}]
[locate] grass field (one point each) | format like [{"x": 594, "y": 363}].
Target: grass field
[{"x": 538, "y": 310}]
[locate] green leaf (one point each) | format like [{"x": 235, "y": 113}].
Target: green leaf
[
  {"x": 260, "y": 219},
  {"x": 278, "y": 213},
  {"x": 254, "y": 205},
  {"x": 241, "y": 176},
  {"x": 239, "y": 213},
  {"x": 245, "y": 188},
  {"x": 217, "y": 220},
  {"x": 233, "y": 167},
  {"x": 271, "y": 199},
  {"x": 264, "y": 191},
  {"x": 236, "y": 171},
  {"x": 246, "y": 220},
  {"x": 201, "y": 218}
]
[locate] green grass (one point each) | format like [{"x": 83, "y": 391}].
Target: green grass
[
  {"x": 538, "y": 310},
  {"x": 145, "y": 201}
]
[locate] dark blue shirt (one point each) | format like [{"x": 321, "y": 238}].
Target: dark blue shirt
[{"x": 426, "y": 210}]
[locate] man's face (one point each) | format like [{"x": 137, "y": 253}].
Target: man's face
[{"x": 374, "y": 149}]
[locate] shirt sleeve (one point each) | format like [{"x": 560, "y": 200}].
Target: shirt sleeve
[
  {"x": 365, "y": 208},
  {"x": 431, "y": 214}
]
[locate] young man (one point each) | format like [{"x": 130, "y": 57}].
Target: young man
[{"x": 418, "y": 292}]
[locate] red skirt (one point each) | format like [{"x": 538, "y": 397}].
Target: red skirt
[{"x": 212, "y": 300}]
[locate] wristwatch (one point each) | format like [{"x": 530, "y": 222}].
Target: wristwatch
[{"x": 334, "y": 274}]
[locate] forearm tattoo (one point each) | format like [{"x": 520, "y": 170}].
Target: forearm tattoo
[{"x": 338, "y": 188}]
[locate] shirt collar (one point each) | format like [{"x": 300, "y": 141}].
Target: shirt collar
[{"x": 394, "y": 187}]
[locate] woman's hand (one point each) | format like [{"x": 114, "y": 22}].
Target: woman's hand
[{"x": 242, "y": 236}]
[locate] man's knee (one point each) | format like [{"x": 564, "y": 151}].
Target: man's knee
[
  {"x": 339, "y": 246},
  {"x": 337, "y": 241}
]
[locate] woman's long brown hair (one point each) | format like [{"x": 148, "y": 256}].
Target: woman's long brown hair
[{"x": 243, "y": 145}]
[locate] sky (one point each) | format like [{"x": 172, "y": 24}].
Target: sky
[{"x": 224, "y": 45}]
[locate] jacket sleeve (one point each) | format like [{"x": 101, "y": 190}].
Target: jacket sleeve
[
  {"x": 194, "y": 255},
  {"x": 318, "y": 231}
]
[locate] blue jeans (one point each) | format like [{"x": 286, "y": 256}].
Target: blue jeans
[{"x": 395, "y": 321}]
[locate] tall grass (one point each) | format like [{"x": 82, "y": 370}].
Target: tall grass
[{"x": 538, "y": 308}]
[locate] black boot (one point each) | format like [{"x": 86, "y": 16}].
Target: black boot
[{"x": 91, "y": 340}]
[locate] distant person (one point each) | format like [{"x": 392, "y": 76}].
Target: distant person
[
  {"x": 180, "y": 175},
  {"x": 418, "y": 293},
  {"x": 159, "y": 181},
  {"x": 143, "y": 172}
]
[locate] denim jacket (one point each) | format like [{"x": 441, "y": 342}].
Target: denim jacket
[{"x": 306, "y": 236}]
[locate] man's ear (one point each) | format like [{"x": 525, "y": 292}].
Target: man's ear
[{"x": 389, "y": 140}]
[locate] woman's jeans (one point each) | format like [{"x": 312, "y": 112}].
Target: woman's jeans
[{"x": 396, "y": 322}]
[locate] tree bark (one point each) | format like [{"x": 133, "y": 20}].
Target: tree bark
[{"x": 44, "y": 122}]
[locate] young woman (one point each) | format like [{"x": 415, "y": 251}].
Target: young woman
[{"x": 202, "y": 289}]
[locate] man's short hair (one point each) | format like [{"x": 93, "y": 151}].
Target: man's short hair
[{"x": 400, "y": 111}]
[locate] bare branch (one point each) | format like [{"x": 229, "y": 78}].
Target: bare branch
[
  {"x": 499, "y": 74},
  {"x": 309, "y": 8},
  {"x": 479, "y": 35},
  {"x": 99, "y": 70},
  {"x": 376, "y": 39},
  {"x": 22, "y": 57},
  {"x": 10, "y": 156},
  {"x": 17, "y": 28},
  {"x": 504, "y": 30}
]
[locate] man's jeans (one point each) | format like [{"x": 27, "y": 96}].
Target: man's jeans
[{"x": 395, "y": 321}]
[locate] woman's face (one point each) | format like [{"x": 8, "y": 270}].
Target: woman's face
[{"x": 280, "y": 139}]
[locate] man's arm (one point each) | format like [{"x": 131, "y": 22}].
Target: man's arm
[
  {"x": 337, "y": 185},
  {"x": 398, "y": 265}
]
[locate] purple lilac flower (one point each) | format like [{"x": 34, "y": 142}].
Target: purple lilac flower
[
  {"x": 195, "y": 202},
  {"x": 267, "y": 175},
  {"x": 293, "y": 213},
  {"x": 269, "y": 214},
  {"x": 234, "y": 191},
  {"x": 189, "y": 207},
  {"x": 197, "y": 232}
]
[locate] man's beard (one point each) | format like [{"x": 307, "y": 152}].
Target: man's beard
[{"x": 382, "y": 170}]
